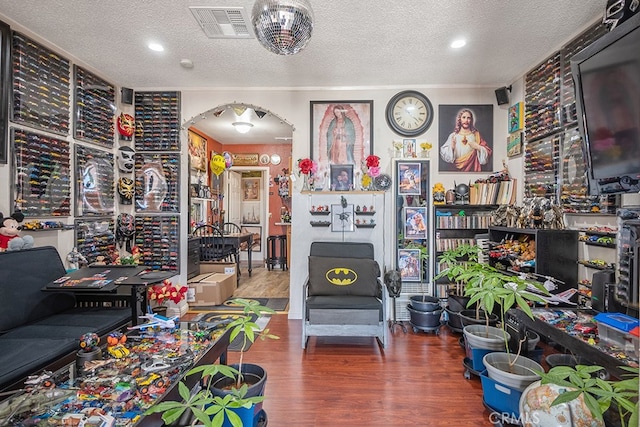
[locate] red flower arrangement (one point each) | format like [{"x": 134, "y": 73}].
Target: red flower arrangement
[
  {"x": 373, "y": 161},
  {"x": 307, "y": 166},
  {"x": 167, "y": 291}
]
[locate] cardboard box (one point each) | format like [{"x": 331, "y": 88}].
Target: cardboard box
[
  {"x": 211, "y": 289},
  {"x": 218, "y": 267}
]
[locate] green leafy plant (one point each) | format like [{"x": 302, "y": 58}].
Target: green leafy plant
[
  {"x": 598, "y": 394},
  {"x": 208, "y": 409},
  {"x": 487, "y": 286}
]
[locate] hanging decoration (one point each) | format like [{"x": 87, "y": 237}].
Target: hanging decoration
[{"x": 217, "y": 164}]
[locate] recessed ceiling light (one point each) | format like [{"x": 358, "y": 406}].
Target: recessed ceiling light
[
  {"x": 157, "y": 47},
  {"x": 457, "y": 44},
  {"x": 186, "y": 63}
]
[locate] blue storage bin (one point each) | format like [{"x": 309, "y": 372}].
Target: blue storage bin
[
  {"x": 617, "y": 320},
  {"x": 500, "y": 397}
]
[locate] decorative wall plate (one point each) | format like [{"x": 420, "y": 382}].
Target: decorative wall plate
[
  {"x": 383, "y": 182},
  {"x": 275, "y": 159},
  {"x": 264, "y": 159}
]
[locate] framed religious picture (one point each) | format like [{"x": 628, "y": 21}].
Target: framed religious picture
[
  {"x": 466, "y": 138},
  {"x": 341, "y": 177},
  {"x": 197, "y": 151},
  {"x": 251, "y": 189},
  {"x": 341, "y": 133},
  {"x": 409, "y": 265},
  {"x": 514, "y": 144},
  {"x": 409, "y": 148},
  {"x": 415, "y": 222},
  {"x": 409, "y": 176}
]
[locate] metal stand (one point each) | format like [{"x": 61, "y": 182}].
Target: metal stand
[
  {"x": 393, "y": 322},
  {"x": 393, "y": 282}
]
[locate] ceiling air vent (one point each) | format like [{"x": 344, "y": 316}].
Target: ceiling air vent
[{"x": 223, "y": 22}]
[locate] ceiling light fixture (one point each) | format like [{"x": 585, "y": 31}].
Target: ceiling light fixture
[
  {"x": 283, "y": 27},
  {"x": 242, "y": 127},
  {"x": 457, "y": 44},
  {"x": 156, "y": 47}
]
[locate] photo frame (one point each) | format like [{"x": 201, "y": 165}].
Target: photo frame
[
  {"x": 342, "y": 218},
  {"x": 341, "y": 133},
  {"x": 251, "y": 189},
  {"x": 409, "y": 265},
  {"x": 94, "y": 181},
  {"x": 157, "y": 182},
  {"x": 516, "y": 117},
  {"x": 197, "y": 151},
  {"x": 514, "y": 144},
  {"x": 409, "y": 148},
  {"x": 341, "y": 177},
  {"x": 415, "y": 222},
  {"x": 5, "y": 91},
  {"x": 458, "y": 124},
  {"x": 409, "y": 178}
]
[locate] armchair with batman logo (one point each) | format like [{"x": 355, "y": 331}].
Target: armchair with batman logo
[{"x": 343, "y": 296}]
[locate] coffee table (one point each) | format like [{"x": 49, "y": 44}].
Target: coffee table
[{"x": 124, "y": 388}]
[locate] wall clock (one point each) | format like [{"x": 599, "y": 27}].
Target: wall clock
[{"x": 409, "y": 113}]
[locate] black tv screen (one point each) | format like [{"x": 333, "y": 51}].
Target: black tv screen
[{"x": 606, "y": 77}]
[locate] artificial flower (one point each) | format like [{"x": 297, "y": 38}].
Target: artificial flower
[
  {"x": 307, "y": 166},
  {"x": 374, "y": 171},
  {"x": 425, "y": 146},
  {"x": 167, "y": 291},
  {"x": 373, "y": 161},
  {"x": 366, "y": 181}
]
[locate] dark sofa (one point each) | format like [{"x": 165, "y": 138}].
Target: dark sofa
[{"x": 38, "y": 328}]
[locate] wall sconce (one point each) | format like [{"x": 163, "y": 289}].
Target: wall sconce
[{"x": 242, "y": 127}]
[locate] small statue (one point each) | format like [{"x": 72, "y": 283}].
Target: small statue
[{"x": 76, "y": 259}]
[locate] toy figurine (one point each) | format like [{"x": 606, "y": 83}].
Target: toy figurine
[
  {"x": 89, "y": 342},
  {"x": 76, "y": 259},
  {"x": 438, "y": 194},
  {"x": 10, "y": 239}
]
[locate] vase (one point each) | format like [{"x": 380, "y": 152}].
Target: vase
[
  {"x": 424, "y": 154},
  {"x": 305, "y": 182}
]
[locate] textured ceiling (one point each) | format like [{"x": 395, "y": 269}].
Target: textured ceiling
[{"x": 370, "y": 43}]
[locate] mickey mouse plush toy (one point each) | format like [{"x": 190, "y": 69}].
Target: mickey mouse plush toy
[{"x": 9, "y": 233}]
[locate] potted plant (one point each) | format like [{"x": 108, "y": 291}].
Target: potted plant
[
  {"x": 235, "y": 404},
  {"x": 456, "y": 261},
  {"x": 574, "y": 388}
]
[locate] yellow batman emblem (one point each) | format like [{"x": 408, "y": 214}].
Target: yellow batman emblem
[{"x": 341, "y": 276}]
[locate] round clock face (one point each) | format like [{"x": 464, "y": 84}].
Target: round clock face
[{"x": 409, "y": 113}]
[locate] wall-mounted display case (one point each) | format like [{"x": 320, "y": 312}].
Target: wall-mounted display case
[{"x": 94, "y": 106}]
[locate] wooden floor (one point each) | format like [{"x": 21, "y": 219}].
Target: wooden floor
[{"x": 416, "y": 381}]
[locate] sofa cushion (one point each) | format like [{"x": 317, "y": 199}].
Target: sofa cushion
[
  {"x": 23, "y": 274},
  {"x": 349, "y": 303},
  {"x": 94, "y": 319},
  {"x": 343, "y": 276},
  {"x": 23, "y": 356}
]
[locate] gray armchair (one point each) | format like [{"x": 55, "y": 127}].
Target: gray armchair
[{"x": 343, "y": 295}]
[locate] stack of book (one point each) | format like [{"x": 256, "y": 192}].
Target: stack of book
[{"x": 493, "y": 193}]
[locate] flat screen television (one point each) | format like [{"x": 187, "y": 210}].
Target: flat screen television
[{"x": 606, "y": 76}]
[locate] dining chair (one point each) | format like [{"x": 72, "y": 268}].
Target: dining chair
[
  {"x": 212, "y": 244},
  {"x": 233, "y": 228}
]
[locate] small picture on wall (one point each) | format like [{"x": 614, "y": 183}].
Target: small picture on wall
[
  {"x": 415, "y": 223},
  {"x": 409, "y": 264},
  {"x": 251, "y": 189},
  {"x": 514, "y": 144},
  {"x": 516, "y": 117}
]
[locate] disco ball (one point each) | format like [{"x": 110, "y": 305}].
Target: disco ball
[{"x": 282, "y": 26}]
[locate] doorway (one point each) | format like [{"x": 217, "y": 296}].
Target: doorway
[{"x": 251, "y": 196}]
